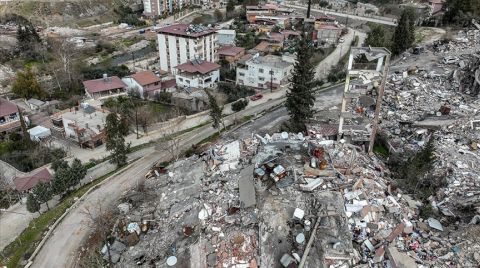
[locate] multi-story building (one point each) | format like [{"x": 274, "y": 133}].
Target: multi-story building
[
  {"x": 197, "y": 74},
  {"x": 264, "y": 72},
  {"x": 180, "y": 43},
  {"x": 152, "y": 8}
]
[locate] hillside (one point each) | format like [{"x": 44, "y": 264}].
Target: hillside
[{"x": 72, "y": 13}]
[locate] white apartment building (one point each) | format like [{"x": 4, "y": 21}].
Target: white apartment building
[
  {"x": 260, "y": 71},
  {"x": 180, "y": 43}
]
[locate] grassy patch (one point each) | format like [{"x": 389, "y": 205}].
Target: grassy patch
[
  {"x": 25, "y": 243},
  {"x": 381, "y": 150},
  {"x": 247, "y": 118},
  {"x": 157, "y": 108}
]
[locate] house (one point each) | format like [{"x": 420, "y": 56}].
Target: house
[
  {"x": 24, "y": 184},
  {"x": 231, "y": 54},
  {"x": 180, "y": 43},
  {"x": 264, "y": 72},
  {"x": 324, "y": 19},
  {"x": 105, "y": 87},
  {"x": 9, "y": 116},
  {"x": 39, "y": 133},
  {"x": 35, "y": 104},
  {"x": 226, "y": 37},
  {"x": 436, "y": 5},
  {"x": 146, "y": 83},
  {"x": 83, "y": 124},
  {"x": 329, "y": 34},
  {"x": 197, "y": 74}
]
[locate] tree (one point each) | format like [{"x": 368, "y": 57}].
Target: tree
[
  {"x": 404, "y": 35},
  {"x": 59, "y": 164},
  {"x": 218, "y": 15},
  {"x": 115, "y": 141},
  {"x": 26, "y": 85},
  {"x": 239, "y": 105},
  {"x": 32, "y": 204},
  {"x": 29, "y": 43},
  {"x": 323, "y": 4},
  {"x": 77, "y": 172},
  {"x": 378, "y": 37},
  {"x": 230, "y": 8},
  {"x": 300, "y": 98},
  {"x": 276, "y": 29},
  {"x": 43, "y": 193},
  {"x": 215, "y": 111},
  {"x": 26, "y": 136},
  {"x": 461, "y": 11}
]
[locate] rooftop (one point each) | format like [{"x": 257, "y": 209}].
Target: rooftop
[
  {"x": 88, "y": 118},
  {"x": 187, "y": 30},
  {"x": 145, "y": 78},
  {"x": 270, "y": 60},
  {"x": 230, "y": 51},
  {"x": 7, "y": 107},
  {"x": 198, "y": 66},
  {"x": 28, "y": 182},
  {"x": 103, "y": 84}
]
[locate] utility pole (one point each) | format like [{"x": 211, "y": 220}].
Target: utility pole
[
  {"x": 271, "y": 80},
  {"x": 308, "y": 9}
]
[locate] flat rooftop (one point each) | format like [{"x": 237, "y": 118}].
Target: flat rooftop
[{"x": 187, "y": 30}]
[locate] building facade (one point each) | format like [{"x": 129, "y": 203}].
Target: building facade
[
  {"x": 9, "y": 116},
  {"x": 180, "y": 43},
  {"x": 197, "y": 74},
  {"x": 264, "y": 72},
  {"x": 144, "y": 83}
]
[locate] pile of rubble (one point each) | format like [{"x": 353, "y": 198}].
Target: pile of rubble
[
  {"x": 439, "y": 103},
  {"x": 282, "y": 200}
]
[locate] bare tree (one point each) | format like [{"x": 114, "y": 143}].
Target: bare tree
[
  {"x": 62, "y": 69},
  {"x": 100, "y": 221},
  {"x": 171, "y": 143}
]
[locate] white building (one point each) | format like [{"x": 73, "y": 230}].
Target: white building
[
  {"x": 226, "y": 37},
  {"x": 260, "y": 71},
  {"x": 180, "y": 43},
  {"x": 197, "y": 74}
]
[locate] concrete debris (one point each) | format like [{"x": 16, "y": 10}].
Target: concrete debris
[{"x": 306, "y": 201}]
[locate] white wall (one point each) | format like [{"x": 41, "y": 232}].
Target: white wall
[
  {"x": 179, "y": 55},
  {"x": 133, "y": 85},
  {"x": 253, "y": 77},
  {"x": 198, "y": 81}
]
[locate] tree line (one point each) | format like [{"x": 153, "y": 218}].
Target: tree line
[{"x": 65, "y": 179}]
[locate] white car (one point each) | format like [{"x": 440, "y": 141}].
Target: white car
[
  {"x": 341, "y": 40},
  {"x": 450, "y": 60}
]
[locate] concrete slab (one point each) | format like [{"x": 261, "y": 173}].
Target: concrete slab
[{"x": 247, "y": 188}]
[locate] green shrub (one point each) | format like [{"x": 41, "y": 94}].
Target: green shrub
[{"x": 239, "y": 105}]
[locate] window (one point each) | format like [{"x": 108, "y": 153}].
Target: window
[
  {"x": 240, "y": 81},
  {"x": 241, "y": 74},
  {"x": 260, "y": 85},
  {"x": 156, "y": 83},
  {"x": 187, "y": 81},
  {"x": 261, "y": 78},
  {"x": 180, "y": 79},
  {"x": 260, "y": 70},
  {"x": 207, "y": 80}
]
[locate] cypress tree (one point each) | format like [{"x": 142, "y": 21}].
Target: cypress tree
[
  {"x": 32, "y": 204},
  {"x": 300, "y": 97},
  {"x": 215, "y": 111},
  {"x": 115, "y": 141},
  {"x": 404, "y": 35}
]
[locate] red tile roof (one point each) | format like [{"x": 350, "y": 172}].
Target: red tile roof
[
  {"x": 169, "y": 83},
  {"x": 99, "y": 85},
  {"x": 27, "y": 183},
  {"x": 329, "y": 27},
  {"x": 181, "y": 29},
  {"x": 7, "y": 107},
  {"x": 230, "y": 51},
  {"x": 203, "y": 68},
  {"x": 145, "y": 78}
]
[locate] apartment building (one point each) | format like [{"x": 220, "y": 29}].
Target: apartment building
[
  {"x": 264, "y": 72},
  {"x": 197, "y": 74},
  {"x": 152, "y": 8},
  {"x": 180, "y": 43}
]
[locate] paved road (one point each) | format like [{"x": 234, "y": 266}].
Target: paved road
[
  {"x": 382, "y": 20},
  {"x": 322, "y": 70}
]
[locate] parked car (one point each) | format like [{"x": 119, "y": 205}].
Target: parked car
[
  {"x": 341, "y": 40},
  {"x": 418, "y": 49},
  {"x": 450, "y": 60},
  {"x": 256, "y": 97}
]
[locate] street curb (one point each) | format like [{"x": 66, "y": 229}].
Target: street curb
[{"x": 74, "y": 205}]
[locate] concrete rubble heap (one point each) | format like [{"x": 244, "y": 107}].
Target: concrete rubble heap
[
  {"x": 438, "y": 102},
  {"x": 282, "y": 200}
]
